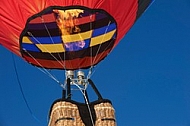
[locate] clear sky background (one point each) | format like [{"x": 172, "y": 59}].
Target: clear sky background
[{"x": 147, "y": 76}]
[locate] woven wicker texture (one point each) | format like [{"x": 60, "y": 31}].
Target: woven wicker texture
[
  {"x": 105, "y": 115},
  {"x": 64, "y": 113}
]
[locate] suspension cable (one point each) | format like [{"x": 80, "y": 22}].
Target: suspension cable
[
  {"x": 51, "y": 38},
  {"x": 101, "y": 41},
  {"x": 22, "y": 92},
  {"x": 87, "y": 102},
  {"x": 29, "y": 33},
  {"x": 45, "y": 71}
]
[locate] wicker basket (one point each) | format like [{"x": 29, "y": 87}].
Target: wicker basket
[
  {"x": 66, "y": 112},
  {"x": 105, "y": 115}
]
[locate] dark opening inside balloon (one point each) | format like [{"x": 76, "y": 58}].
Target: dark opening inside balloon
[{"x": 68, "y": 37}]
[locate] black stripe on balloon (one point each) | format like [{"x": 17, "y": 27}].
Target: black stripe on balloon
[
  {"x": 142, "y": 6},
  {"x": 54, "y": 31},
  {"x": 88, "y": 52}
]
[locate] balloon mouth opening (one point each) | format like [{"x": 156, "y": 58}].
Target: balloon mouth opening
[{"x": 70, "y": 38}]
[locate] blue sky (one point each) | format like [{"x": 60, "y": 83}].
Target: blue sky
[{"x": 147, "y": 76}]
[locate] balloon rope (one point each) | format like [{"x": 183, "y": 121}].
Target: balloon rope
[
  {"x": 22, "y": 92},
  {"x": 29, "y": 33},
  {"x": 91, "y": 47},
  {"x": 65, "y": 56},
  {"x": 52, "y": 40},
  {"x": 105, "y": 49},
  {"x": 87, "y": 102},
  {"x": 45, "y": 71},
  {"x": 102, "y": 41}
]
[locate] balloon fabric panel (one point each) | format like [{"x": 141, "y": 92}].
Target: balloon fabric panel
[{"x": 91, "y": 29}]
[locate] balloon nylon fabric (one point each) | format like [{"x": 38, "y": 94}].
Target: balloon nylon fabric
[
  {"x": 68, "y": 38},
  {"x": 15, "y": 13}
]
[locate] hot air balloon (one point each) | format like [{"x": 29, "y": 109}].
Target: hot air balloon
[{"x": 70, "y": 35}]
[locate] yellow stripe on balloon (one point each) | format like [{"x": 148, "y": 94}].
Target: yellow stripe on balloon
[
  {"x": 26, "y": 40},
  {"x": 102, "y": 38},
  {"x": 51, "y": 48},
  {"x": 76, "y": 37}
]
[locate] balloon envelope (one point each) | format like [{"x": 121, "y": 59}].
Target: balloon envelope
[{"x": 72, "y": 34}]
